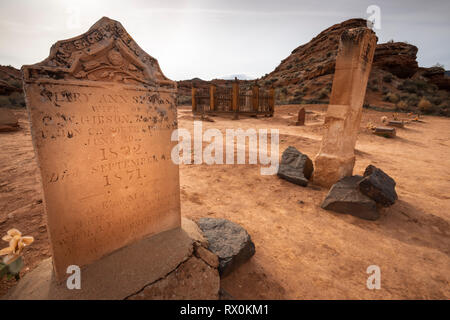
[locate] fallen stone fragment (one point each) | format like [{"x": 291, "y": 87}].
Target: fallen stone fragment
[
  {"x": 395, "y": 123},
  {"x": 385, "y": 132},
  {"x": 210, "y": 258},
  {"x": 377, "y": 185},
  {"x": 193, "y": 231},
  {"x": 229, "y": 241},
  {"x": 345, "y": 197},
  {"x": 192, "y": 280},
  {"x": 295, "y": 167}
]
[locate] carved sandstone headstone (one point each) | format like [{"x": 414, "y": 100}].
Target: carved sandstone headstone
[
  {"x": 102, "y": 115},
  {"x": 301, "y": 117},
  {"x": 336, "y": 157}
]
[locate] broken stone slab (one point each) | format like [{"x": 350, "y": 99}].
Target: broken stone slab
[
  {"x": 295, "y": 167},
  {"x": 164, "y": 266},
  {"x": 345, "y": 197},
  {"x": 193, "y": 231},
  {"x": 385, "y": 132},
  {"x": 8, "y": 121},
  {"x": 229, "y": 241},
  {"x": 377, "y": 185},
  {"x": 194, "y": 279},
  {"x": 396, "y": 123}
]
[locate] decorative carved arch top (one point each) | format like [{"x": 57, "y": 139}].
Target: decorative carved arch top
[{"x": 105, "y": 53}]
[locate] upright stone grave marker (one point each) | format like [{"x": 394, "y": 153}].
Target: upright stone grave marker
[
  {"x": 102, "y": 114},
  {"x": 301, "y": 117},
  {"x": 336, "y": 157}
]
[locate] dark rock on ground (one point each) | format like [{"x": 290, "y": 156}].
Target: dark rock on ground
[
  {"x": 345, "y": 197},
  {"x": 295, "y": 167},
  {"x": 229, "y": 241},
  {"x": 377, "y": 185}
]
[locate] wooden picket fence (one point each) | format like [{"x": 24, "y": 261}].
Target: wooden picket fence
[{"x": 235, "y": 101}]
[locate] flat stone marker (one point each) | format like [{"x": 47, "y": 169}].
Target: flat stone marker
[
  {"x": 336, "y": 157},
  {"x": 385, "y": 132},
  {"x": 102, "y": 114},
  {"x": 301, "y": 117},
  {"x": 396, "y": 123}
]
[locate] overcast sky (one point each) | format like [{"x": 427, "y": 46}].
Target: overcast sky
[{"x": 209, "y": 38}]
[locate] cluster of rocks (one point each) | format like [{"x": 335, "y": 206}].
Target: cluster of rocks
[
  {"x": 361, "y": 196},
  {"x": 220, "y": 246}
]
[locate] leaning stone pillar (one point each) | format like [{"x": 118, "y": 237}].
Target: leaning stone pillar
[
  {"x": 194, "y": 99},
  {"x": 212, "y": 97},
  {"x": 336, "y": 156}
]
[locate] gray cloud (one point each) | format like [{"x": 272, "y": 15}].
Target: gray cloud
[{"x": 212, "y": 38}]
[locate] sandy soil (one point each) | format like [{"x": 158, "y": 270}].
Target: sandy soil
[{"x": 302, "y": 251}]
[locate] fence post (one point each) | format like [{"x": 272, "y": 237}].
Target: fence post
[
  {"x": 235, "y": 98},
  {"x": 272, "y": 101},
  {"x": 255, "y": 97},
  {"x": 194, "y": 99},
  {"x": 212, "y": 97}
]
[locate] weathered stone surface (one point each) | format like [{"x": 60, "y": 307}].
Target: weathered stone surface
[
  {"x": 377, "y": 185},
  {"x": 396, "y": 123},
  {"x": 336, "y": 156},
  {"x": 116, "y": 276},
  {"x": 229, "y": 241},
  {"x": 102, "y": 114},
  {"x": 301, "y": 117},
  {"x": 398, "y": 58},
  {"x": 210, "y": 258},
  {"x": 385, "y": 132},
  {"x": 8, "y": 121},
  {"x": 192, "y": 280},
  {"x": 295, "y": 167},
  {"x": 345, "y": 197},
  {"x": 193, "y": 231}
]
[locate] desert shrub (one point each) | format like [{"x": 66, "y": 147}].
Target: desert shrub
[
  {"x": 385, "y": 90},
  {"x": 391, "y": 97},
  {"x": 387, "y": 78},
  {"x": 435, "y": 100},
  {"x": 17, "y": 99},
  {"x": 298, "y": 93},
  {"x": 15, "y": 83},
  {"x": 284, "y": 90},
  {"x": 402, "y": 105},
  {"x": 4, "y": 102},
  {"x": 323, "y": 94},
  {"x": 425, "y": 105},
  {"x": 289, "y": 66},
  {"x": 267, "y": 82},
  {"x": 184, "y": 100},
  {"x": 295, "y": 100},
  {"x": 414, "y": 86}
]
